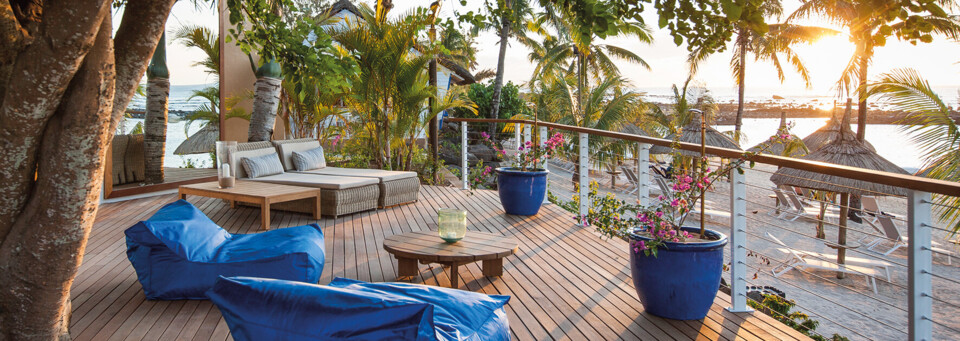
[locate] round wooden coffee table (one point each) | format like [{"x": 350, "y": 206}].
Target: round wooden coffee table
[{"x": 426, "y": 247}]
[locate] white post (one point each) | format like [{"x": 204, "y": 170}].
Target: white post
[
  {"x": 463, "y": 155},
  {"x": 526, "y": 133},
  {"x": 543, "y": 143},
  {"x": 584, "y": 173},
  {"x": 920, "y": 266},
  {"x": 516, "y": 134},
  {"x": 643, "y": 173},
  {"x": 738, "y": 238}
]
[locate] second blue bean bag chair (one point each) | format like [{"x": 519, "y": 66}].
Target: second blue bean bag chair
[
  {"x": 179, "y": 253},
  {"x": 268, "y": 309}
]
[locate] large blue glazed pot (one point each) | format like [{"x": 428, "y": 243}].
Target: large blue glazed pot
[
  {"x": 681, "y": 282},
  {"x": 521, "y": 192}
]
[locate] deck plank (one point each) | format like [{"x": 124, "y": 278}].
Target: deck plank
[{"x": 565, "y": 282}]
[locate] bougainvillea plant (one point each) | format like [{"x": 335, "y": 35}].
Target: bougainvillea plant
[
  {"x": 661, "y": 221},
  {"x": 529, "y": 156}
]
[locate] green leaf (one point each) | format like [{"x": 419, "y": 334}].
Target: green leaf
[{"x": 731, "y": 9}]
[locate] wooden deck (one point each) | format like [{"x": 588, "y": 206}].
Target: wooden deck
[{"x": 565, "y": 282}]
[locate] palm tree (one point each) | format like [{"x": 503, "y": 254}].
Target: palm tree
[
  {"x": 766, "y": 45},
  {"x": 584, "y": 55},
  {"x": 204, "y": 39},
  {"x": 871, "y": 23},
  {"x": 155, "y": 118},
  {"x": 512, "y": 14},
  {"x": 931, "y": 127}
]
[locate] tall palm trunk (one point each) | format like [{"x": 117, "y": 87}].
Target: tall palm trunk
[
  {"x": 155, "y": 118},
  {"x": 862, "y": 93},
  {"x": 498, "y": 81},
  {"x": 266, "y": 99},
  {"x": 741, "y": 86}
]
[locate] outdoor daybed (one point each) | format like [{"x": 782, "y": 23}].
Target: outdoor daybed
[
  {"x": 179, "y": 253},
  {"x": 395, "y": 187},
  {"x": 339, "y": 194},
  {"x": 267, "y": 309}
]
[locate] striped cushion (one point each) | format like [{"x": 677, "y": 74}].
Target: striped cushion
[
  {"x": 263, "y": 165},
  {"x": 309, "y": 159}
]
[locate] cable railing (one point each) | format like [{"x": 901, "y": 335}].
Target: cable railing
[{"x": 899, "y": 302}]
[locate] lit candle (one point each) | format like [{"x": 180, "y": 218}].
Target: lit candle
[{"x": 225, "y": 169}]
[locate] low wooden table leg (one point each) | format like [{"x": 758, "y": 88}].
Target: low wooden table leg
[
  {"x": 316, "y": 208},
  {"x": 407, "y": 267},
  {"x": 493, "y": 267},
  {"x": 265, "y": 216},
  {"x": 454, "y": 276}
]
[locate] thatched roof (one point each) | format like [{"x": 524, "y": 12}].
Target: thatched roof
[
  {"x": 691, "y": 133},
  {"x": 846, "y": 150},
  {"x": 201, "y": 142},
  {"x": 829, "y": 132},
  {"x": 777, "y": 148}
]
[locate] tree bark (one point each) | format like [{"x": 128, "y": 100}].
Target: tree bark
[
  {"x": 40, "y": 255},
  {"x": 498, "y": 81},
  {"x": 155, "y": 129},
  {"x": 741, "y": 84},
  {"x": 56, "y": 122},
  {"x": 265, "y": 102}
]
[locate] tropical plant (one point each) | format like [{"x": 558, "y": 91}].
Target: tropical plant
[
  {"x": 932, "y": 129},
  {"x": 303, "y": 48},
  {"x": 870, "y": 24},
  {"x": 511, "y": 104},
  {"x": 687, "y": 99},
  {"x": 204, "y": 39},
  {"x": 391, "y": 91},
  {"x": 766, "y": 43}
]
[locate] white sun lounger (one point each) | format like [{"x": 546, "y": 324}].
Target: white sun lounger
[
  {"x": 889, "y": 229},
  {"x": 799, "y": 260}
]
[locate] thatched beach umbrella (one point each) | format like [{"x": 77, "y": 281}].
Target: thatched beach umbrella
[
  {"x": 777, "y": 148},
  {"x": 830, "y": 131},
  {"x": 201, "y": 142},
  {"x": 691, "y": 133},
  {"x": 846, "y": 150}
]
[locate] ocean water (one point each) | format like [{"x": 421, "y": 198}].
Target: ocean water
[{"x": 175, "y": 136}]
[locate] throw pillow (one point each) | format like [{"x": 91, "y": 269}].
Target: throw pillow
[
  {"x": 263, "y": 165},
  {"x": 309, "y": 159}
]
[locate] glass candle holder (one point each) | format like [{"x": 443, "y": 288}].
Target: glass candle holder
[
  {"x": 226, "y": 163},
  {"x": 452, "y": 224}
]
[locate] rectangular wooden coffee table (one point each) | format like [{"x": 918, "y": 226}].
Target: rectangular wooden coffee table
[{"x": 254, "y": 192}]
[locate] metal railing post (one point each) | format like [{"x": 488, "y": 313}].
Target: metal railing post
[
  {"x": 543, "y": 142},
  {"x": 516, "y": 134},
  {"x": 526, "y": 134},
  {"x": 463, "y": 155},
  {"x": 643, "y": 173},
  {"x": 584, "y": 173},
  {"x": 738, "y": 236},
  {"x": 920, "y": 266}
]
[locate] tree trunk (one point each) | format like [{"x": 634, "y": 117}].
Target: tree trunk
[
  {"x": 862, "y": 93},
  {"x": 155, "y": 129},
  {"x": 264, "y": 115},
  {"x": 56, "y": 123},
  {"x": 741, "y": 84},
  {"x": 498, "y": 81}
]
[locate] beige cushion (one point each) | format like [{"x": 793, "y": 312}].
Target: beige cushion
[
  {"x": 318, "y": 181},
  {"x": 286, "y": 151},
  {"x": 383, "y": 175},
  {"x": 239, "y": 155}
]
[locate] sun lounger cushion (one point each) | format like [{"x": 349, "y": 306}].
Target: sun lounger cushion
[
  {"x": 309, "y": 159},
  {"x": 287, "y": 147},
  {"x": 383, "y": 175},
  {"x": 179, "y": 253},
  {"x": 241, "y": 154},
  {"x": 265, "y": 309},
  {"x": 318, "y": 181},
  {"x": 261, "y": 166}
]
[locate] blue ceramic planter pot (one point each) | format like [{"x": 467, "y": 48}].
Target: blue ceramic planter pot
[
  {"x": 521, "y": 192},
  {"x": 681, "y": 283}
]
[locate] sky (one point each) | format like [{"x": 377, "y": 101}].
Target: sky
[{"x": 937, "y": 61}]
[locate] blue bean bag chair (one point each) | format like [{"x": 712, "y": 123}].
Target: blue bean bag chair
[
  {"x": 179, "y": 253},
  {"x": 269, "y": 309}
]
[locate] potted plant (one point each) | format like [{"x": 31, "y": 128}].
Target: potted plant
[
  {"x": 676, "y": 269},
  {"x": 523, "y": 186}
]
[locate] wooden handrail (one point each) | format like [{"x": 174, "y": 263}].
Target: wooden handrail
[{"x": 886, "y": 178}]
